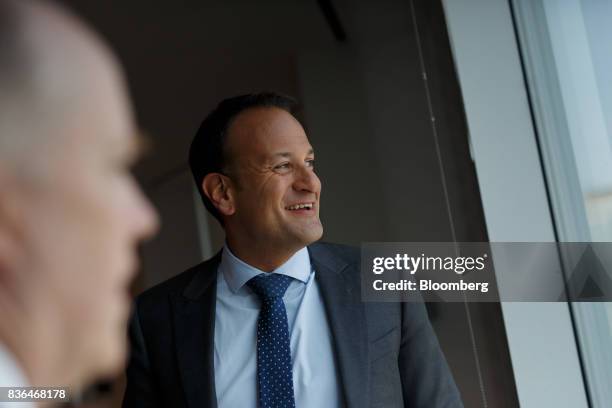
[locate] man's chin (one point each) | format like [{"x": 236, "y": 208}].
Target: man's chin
[
  {"x": 312, "y": 235},
  {"x": 111, "y": 358}
]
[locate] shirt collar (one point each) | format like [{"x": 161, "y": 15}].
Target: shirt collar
[
  {"x": 237, "y": 272},
  {"x": 11, "y": 373}
]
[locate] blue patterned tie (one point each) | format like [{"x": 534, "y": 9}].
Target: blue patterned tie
[{"x": 273, "y": 353}]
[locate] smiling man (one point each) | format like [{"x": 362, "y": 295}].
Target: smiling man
[{"x": 275, "y": 319}]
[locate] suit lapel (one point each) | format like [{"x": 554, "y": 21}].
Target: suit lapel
[
  {"x": 339, "y": 284},
  {"x": 194, "y": 314}
]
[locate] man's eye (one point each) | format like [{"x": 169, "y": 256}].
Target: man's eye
[
  {"x": 310, "y": 163},
  {"x": 282, "y": 166}
]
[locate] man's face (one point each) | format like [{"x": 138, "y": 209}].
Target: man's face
[
  {"x": 277, "y": 192},
  {"x": 82, "y": 221}
]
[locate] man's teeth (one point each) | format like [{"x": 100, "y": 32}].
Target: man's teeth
[{"x": 299, "y": 206}]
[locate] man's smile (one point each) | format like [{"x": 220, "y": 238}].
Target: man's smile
[{"x": 300, "y": 206}]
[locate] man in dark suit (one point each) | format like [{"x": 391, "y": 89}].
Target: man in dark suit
[{"x": 275, "y": 319}]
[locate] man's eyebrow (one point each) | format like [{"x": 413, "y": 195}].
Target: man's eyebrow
[
  {"x": 287, "y": 154},
  {"x": 281, "y": 154}
]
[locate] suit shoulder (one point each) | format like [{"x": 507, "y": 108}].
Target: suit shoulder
[
  {"x": 348, "y": 253},
  {"x": 159, "y": 293}
]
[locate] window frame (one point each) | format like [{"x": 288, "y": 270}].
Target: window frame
[{"x": 545, "y": 357}]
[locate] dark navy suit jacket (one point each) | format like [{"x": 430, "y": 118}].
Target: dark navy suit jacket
[{"x": 387, "y": 353}]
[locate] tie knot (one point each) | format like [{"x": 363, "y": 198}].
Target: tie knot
[{"x": 269, "y": 286}]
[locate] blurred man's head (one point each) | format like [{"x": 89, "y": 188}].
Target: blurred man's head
[
  {"x": 254, "y": 167},
  {"x": 70, "y": 213}
]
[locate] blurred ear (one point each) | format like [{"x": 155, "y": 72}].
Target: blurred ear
[{"x": 219, "y": 191}]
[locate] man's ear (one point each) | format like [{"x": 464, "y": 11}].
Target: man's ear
[{"x": 219, "y": 191}]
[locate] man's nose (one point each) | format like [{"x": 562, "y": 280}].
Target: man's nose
[
  {"x": 146, "y": 218},
  {"x": 307, "y": 180}
]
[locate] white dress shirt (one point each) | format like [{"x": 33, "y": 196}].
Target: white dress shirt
[
  {"x": 11, "y": 375},
  {"x": 315, "y": 376}
]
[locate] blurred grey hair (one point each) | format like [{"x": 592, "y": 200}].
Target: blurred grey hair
[
  {"x": 13, "y": 78},
  {"x": 37, "y": 92}
]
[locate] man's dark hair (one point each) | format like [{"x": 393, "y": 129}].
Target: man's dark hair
[{"x": 207, "y": 153}]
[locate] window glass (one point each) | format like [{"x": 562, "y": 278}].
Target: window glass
[{"x": 566, "y": 51}]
